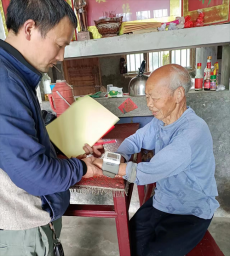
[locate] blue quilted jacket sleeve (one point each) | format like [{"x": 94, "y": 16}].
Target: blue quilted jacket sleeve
[{"x": 22, "y": 156}]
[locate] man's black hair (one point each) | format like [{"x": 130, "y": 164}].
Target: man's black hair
[{"x": 45, "y": 13}]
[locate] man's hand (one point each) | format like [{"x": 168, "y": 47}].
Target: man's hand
[
  {"x": 94, "y": 149},
  {"x": 92, "y": 170},
  {"x": 80, "y": 157},
  {"x": 98, "y": 162}
]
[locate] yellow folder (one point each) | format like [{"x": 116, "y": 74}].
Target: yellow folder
[{"x": 85, "y": 121}]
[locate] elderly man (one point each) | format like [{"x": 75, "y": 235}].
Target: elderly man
[
  {"x": 34, "y": 184},
  {"x": 175, "y": 219}
]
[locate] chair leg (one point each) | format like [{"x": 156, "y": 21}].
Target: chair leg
[
  {"x": 141, "y": 193},
  {"x": 140, "y": 188},
  {"x": 149, "y": 191},
  {"x": 122, "y": 224},
  {"x": 207, "y": 247},
  {"x": 128, "y": 198}
]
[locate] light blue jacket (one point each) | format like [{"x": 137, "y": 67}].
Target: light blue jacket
[{"x": 183, "y": 166}]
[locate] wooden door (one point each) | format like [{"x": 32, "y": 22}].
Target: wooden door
[{"x": 83, "y": 75}]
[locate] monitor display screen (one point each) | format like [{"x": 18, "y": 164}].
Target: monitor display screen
[{"x": 113, "y": 156}]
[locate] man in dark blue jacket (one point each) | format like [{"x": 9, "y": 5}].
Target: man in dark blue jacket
[{"x": 34, "y": 183}]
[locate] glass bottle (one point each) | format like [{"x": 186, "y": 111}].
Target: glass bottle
[
  {"x": 213, "y": 83},
  {"x": 46, "y": 81},
  {"x": 198, "y": 78},
  {"x": 216, "y": 72},
  {"x": 208, "y": 71}
]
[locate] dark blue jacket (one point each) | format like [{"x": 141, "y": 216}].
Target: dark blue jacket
[{"x": 26, "y": 153}]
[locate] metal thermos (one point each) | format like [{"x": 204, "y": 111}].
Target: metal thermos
[{"x": 137, "y": 84}]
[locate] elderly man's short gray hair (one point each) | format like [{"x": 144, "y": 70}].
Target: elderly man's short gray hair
[{"x": 180, "y": 77}]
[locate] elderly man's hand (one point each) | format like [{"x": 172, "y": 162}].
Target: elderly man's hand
[
  {"x": 98, "y": 162},
  {"x": 94, "y": 149},
  {"x": 92, "y": 170},
  {"x": 122, "y": 169}
]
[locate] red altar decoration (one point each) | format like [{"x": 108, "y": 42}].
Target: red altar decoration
[
  {"x": 3, "y": 9},
  {"x": 5, "y": 4},
  {"x": 195, "y": 5},
  {"x": 215, "y": 11}
]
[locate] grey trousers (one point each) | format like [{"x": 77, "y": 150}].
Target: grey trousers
[{"x": 31, "y": 242}]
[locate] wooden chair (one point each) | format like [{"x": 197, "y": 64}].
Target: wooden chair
[
  {"x": 118, "y": 188},
  {"x": 207, "y": 246}
]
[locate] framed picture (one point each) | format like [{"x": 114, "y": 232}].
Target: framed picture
[
  {"x": 3, "y": 9},
  {"x": 216, "y": 11}
]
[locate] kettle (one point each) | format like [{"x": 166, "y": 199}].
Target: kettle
[{"x": 137, "y": 84}]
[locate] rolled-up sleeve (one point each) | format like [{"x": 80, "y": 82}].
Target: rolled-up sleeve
[
  {"x": 134, "y": 143},
  {"x": 171, "y": 160}
]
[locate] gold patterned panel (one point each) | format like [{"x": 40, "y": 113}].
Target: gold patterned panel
[
  {"x": 162, "y": 20},
  {"x": 3, "y": 18},
  {"x": 94, "y": 31},
  {"x": 215, "y": 14},
  {"x": 70, "y": 3},
  {"x": 97, "y": 35},
  {"x": 175, "y": 8}
]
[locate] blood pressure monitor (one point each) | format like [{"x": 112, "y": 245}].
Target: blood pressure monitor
[{"x": 111, "y": 163}]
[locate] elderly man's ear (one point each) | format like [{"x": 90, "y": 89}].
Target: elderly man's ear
[{"x": 180, "y": 94}]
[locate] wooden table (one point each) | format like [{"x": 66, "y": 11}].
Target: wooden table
[{"x": 117, "y": 187}]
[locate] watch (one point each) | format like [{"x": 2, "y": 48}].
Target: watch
[{"x": 111, "y": 164}]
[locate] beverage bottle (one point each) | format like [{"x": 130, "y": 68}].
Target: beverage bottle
[
  {"x": 213, "y": 83},
  {"x": 46, "y": 81},
  {"x": 198, "y": 78},
  {"x": 208, "y": 71},
  {"x": 216, "y": 72}
]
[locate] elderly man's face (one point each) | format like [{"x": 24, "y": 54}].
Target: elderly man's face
[
  {"x": 46, "y": 52},
  {"x": 160, "y": 99}
]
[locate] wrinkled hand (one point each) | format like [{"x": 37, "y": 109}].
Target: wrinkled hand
[
  {"x": 92, "y": 170},
  {"x": 94, "y": 149},
  {"x": 98, "y": 162},
  {"x": 122, "y": 169},
  {"x": 80, "y": 157}
]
